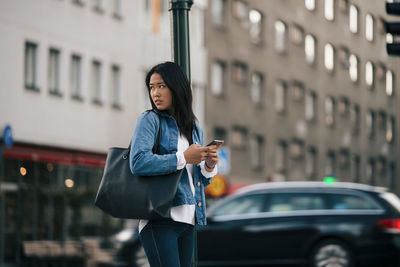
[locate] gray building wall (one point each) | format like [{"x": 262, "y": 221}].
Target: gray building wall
[{"x": 230, "y": 41}]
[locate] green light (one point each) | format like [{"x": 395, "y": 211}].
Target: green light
[{"x": 329, "y": 179}]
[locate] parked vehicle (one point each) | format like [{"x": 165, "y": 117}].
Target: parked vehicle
[
  {"x": 303, "y": 223},
  {"x": 297, "y": 224},
  {"x": 129, "y": 251}
]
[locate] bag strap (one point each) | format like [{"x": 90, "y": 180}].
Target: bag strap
[{"x": 156, "y": 147}]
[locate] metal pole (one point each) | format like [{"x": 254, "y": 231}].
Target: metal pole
[
  {"x": 181, "y": 54},
  {"x": 180, "y": 33}
]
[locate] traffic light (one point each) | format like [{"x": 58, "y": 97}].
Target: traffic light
[{"x": 393, "y": 28}]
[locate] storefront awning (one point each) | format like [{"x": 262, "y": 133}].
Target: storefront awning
[{"x": 55, "y": 155}]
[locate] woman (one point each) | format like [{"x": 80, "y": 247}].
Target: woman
[{"x": 169, "y": 242}]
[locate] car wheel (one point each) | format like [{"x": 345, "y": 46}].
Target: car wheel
[
  {"x": 139, "y": 258},
  {"x": 331, "y": 253}
]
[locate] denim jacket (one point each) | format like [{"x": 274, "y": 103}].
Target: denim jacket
[{"x": 143, "y": 162}]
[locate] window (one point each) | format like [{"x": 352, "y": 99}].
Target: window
[
  {"x": 116, "y": 87},
  {"x": 296, "y": 149},
  {"x": 241, "y": 12},
  {"x": 311, "y": 162},
  {"x": 256, "y": 22},
  {"x": 117, "y": 8},
  {"x": 76, "y": 77},
  {"x": 283, "y": 202},
  {"x": 310, "y": 4},
  {"x": 311, "y": 106},
  {"x": 256, "y": 149},
  {"x": 370, "y": 172},
  {"x": 218, "y": 12},
  {"x": 353, "y": 19},
  {"x": 370, "y": 124},
  {"x": 355, "y": 118},
  {"x": 280, "y": 36},
  {"x": 297, "y": 90},
  {"x": 353, "y": 69},
  {"x": 343, "y": 5},
  {"x": 248, "y": 204},
  {"x": 31, "y": 66},
  {"x": 96, "y": 82},
  {"x": 381, "y": 165},
  {"x": 256, "y": 88},
  {"x": 369, "y": 27},
  {"x": 330, "y": 163},
  {"x": 343, "y": 57},
  {"x": 79, "y": 2},
  {"x": 217, "y": 78},
  {"x": 390, "y": 128},
  {"x": 239, "y": 72},
  {"x": 381, "y": 72},
  {"x": 329, "y": 9},
  {"x": 389, "y": 83},
  {"x": 239, "y": 137},
  {"x": 351, "y": 202},
  {"x": 389, "y": 38},
  {"x": 369, "y": 74},
  {"x": 54, "y": 72},
  {"x": 281, "y": 157},
  {"x": 356, "y": 168},
  {"x": 381, "y": 120},
  {"x": 329, "y": 60},
  {"x": 280, "y": 96},
  {"x": 98, "y": 5},
  {"x": 309, "y": 47},
  {"x": 296, "y": 34},
  {"x": 343, "y": 106},
  {"x": 381, "y": 25},
  {"x": 344, "y": 158},
  {"x": 329, "y": 111}
]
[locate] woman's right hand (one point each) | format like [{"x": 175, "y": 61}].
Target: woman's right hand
[{"x": 195, "y": 154}]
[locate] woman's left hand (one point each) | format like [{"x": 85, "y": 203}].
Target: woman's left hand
[{"x": 212, "y": 158}]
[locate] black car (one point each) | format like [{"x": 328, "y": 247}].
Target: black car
[{"x": 303, "y": 223}]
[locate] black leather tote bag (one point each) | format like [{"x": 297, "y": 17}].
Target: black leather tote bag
[{"x": 124, "y": 195}]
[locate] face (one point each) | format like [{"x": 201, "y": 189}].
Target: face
[{"x": 160, "y": 93}]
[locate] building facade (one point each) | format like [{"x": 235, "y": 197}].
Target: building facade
[{"x": 301, "y": 90}]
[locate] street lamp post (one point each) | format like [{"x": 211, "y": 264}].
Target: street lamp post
[
  {"x": 180, "y": 33},
  {"x": 181, "y": 52}
]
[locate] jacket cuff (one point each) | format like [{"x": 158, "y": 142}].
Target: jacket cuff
[
  {"x": 206, "y": 173},
  {"x": 181, "y": 161}
]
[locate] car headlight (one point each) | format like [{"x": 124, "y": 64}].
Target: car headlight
[{"x": 124, "y": 235}]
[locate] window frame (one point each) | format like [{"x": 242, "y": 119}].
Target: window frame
[
  {"x": 31, "y": 66},
  {"x": 96, "y": 80},
  {"x": 280, "y": 29},
  {"x": 221, "y": 68},
  {"x": 54, "y": 72},
  {"x": 116, "y": 87},
  {"x": 76, "y": 77}
]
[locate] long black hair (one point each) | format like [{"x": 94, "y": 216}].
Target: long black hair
[{"x": 178, "y": 83}]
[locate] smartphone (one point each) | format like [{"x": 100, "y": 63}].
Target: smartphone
[{"x": 216, "y": 143}]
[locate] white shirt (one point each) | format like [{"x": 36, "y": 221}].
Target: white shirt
[{"x": 185, "y": 213}]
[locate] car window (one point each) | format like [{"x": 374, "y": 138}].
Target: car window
[
  {"x": 242, "y": 205},
  {"x": 392, "y": 199},
  {"x": 295, "y": 201},
  {"x": 351, "y": 202}
]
